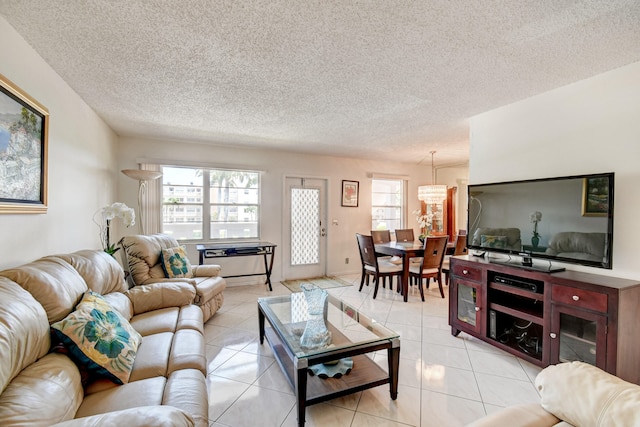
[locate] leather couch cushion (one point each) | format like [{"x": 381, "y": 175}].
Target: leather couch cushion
[
  {"x": 156, "y": 321},
  {"x": 145, "y": 416},
  {"x": 191, "y": 317},
  {"x": 24, "y": 330},
  {"x": 120, "y": 302},
  {"x": 163, "y": 353},
  {"x": 56, "y": 285},
  {"x": 133, "y": 394},
  {"x": 169, "y": 319},
  {"x": 46, "y": 392},
  {"x": 160, "y": 295},
  {"x": 207, "y": 270},
  {"x": 153, "y": 356},
  {"x": 187, "y": 352},
  {"x": 100, "y": 271},
  {"x": 208, "y": 287},
  {"x": 186, "y": 389},
  {"x": 584, "y": 395}
]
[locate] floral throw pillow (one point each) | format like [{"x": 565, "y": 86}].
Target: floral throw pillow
[
  {"x": 99, "y": 338},
  {"x": 175, "y": 262},
  {"x": 498, "y": 242}
]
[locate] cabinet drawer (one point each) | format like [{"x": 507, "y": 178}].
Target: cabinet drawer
[
  {"x": 579, "y": 298},
  {"x": 469, "y": 273}
]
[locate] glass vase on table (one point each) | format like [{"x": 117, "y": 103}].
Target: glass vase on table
[{"x": 315, "y": 335}]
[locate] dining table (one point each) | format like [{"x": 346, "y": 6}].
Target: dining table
[{"x": 406, "y": 251}]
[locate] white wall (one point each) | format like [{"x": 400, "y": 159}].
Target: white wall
[
  {"x": 276, "y": 165},
  {"x": 587, "y": 127},
  {"x": 82, "y": 162}
]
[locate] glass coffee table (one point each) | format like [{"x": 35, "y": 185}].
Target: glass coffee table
[{"x": 353, "y": 334}]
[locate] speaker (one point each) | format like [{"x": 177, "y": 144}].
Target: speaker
[{"x": 492, "y": 324}]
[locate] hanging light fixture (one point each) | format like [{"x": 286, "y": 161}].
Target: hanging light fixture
[{"x": 432, "y": 193}]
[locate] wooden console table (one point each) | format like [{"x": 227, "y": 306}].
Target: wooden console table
[{"x": 224, "y": 250}]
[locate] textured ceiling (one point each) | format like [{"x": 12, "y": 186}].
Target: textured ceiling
[{"x": 370, "y": 79}]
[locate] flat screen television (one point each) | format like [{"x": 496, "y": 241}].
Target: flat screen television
[{"x": 567, "y": 219}]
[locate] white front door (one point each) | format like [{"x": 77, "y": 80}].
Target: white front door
[{"x": 304, "y": 243}]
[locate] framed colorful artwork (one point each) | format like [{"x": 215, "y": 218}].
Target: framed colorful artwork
[
  {"x": 595, "y": 196},
  {"x": 350, "y": 193},
  {"x": 24, "y": 126}
]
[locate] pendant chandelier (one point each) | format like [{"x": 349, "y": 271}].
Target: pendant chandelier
[{"x": 432, "y": 193}]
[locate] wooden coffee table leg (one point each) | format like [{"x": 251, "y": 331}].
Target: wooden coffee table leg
[
  {"x": 301, "y": 392},
  {"x": 393, "y": 357}
]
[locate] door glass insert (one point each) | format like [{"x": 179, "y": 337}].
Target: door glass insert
[
  {"x": 577, "y": 339},
  {"x": 467, "y": 304},
  {"x": 305, "y": 226}
]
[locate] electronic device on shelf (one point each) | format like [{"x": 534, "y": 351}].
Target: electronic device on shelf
[{"x": 516, "y": 283}]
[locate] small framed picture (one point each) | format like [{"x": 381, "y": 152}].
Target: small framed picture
[
  {"x": 350, "y": 193},
  {"x": 595, "y": 196}
]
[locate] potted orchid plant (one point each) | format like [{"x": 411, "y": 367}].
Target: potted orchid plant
[
  {"x": 103, "y": 218},
  {"x": 535, "y": 218},
  {"x": 424, "y": 222}
]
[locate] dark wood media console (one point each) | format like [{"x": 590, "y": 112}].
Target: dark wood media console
[{"x": 547, "y": 318}]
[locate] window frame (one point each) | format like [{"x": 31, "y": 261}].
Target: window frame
[
  {"x": 207, "y": 206},
  {"x": 403, "y": 200}
]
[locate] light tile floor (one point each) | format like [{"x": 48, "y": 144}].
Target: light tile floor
[{"x": 444, "y": 380}]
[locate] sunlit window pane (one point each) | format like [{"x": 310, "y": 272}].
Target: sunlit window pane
[
  {"x": 211, "y": 204},
  {"x": 387, "y": 204}
]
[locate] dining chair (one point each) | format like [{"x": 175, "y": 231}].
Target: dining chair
[
  {"x": 380, "y": 236},
  {"x": 404, "y": 235},
  {"x": 371, "y": 266},
  {"x": 460, "y": 248},
  {"x": 430, "y": 267},
  {"x": 384, "y": 236}
]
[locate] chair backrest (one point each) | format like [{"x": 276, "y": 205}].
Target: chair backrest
[
  {"x": 461, "y": 245},
  {"x": 404, "y": 235},
  {"x": 367, "y": 250},
  {"x": 381, "y": 236},
  {"x": 434, "y": 250},
  {"x": 142, "y": 256}
]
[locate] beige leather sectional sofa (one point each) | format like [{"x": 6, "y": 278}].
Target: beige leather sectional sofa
[
  {"x": 166, "y": 386},
  {"x": 573, "y": 394}
]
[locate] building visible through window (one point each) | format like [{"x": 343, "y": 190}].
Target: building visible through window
[{"x": 210, "y": 204}]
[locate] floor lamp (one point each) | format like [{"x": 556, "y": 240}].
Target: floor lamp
[{"x": 142, "y": 176}]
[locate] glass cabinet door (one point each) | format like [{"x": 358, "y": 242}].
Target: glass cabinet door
[
  {"x": 468, "y": 305},
  {"x": 436, "y": 212},
  {"x": 578, "y": 336}
]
